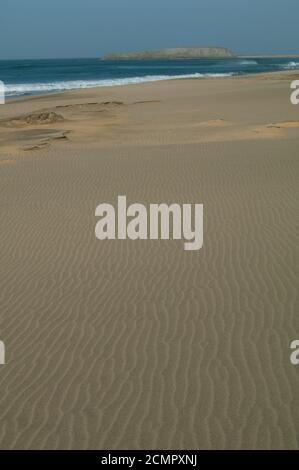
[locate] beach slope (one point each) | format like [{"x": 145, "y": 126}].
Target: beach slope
[{"x": 140, "y": 344}]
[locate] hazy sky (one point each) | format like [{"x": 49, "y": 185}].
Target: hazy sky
[{"x": 91, "y": 28}]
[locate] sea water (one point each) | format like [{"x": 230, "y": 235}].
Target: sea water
[{"x": 33, "y": 77}]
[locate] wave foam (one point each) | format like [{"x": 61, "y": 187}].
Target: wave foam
[
  {"x": 248, "y": 62},
  {"x": 20, "y": 89},
  {"x": 290, "y": 65}
]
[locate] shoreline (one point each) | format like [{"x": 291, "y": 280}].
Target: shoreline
[
  {"x": 38, "y": 122},
  {"x": 283, "y": 75}
]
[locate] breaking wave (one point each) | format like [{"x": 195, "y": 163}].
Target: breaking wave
[
  {"x": 291, "y": 65},
  {"x": 19, "y": 89}
]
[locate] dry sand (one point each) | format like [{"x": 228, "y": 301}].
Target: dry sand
[{"x": 139, "y": 344}]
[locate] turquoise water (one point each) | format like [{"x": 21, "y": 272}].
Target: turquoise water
[{"x": 29, "y": 77}]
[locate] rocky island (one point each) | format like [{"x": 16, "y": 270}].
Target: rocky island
[{"x": 174, "y": 53}]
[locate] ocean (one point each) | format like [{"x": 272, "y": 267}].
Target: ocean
[{"x": 34, "y": 77}]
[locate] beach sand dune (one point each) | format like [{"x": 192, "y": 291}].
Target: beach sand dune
[{"x": 140, "y": 344}]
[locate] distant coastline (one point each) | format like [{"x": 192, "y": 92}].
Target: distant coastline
[
  {"x": 174, "y": 53},
  {"x": 190, "y": 53}
]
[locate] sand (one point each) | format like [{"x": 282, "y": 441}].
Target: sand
[{"x": 140, "y": 344}]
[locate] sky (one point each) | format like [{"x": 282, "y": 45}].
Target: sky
[{"x": 91, "y": 28}]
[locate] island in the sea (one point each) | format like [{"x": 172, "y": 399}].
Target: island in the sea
[{"x": 174, "y": 53}]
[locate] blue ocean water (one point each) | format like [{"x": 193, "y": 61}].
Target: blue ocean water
[{"x": 30, "y": 77}]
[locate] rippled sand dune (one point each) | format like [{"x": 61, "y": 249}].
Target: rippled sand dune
[{"x": 140, "y": 344}]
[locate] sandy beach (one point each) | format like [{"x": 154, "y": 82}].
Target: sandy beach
[{"x": 139, "y": 344}]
